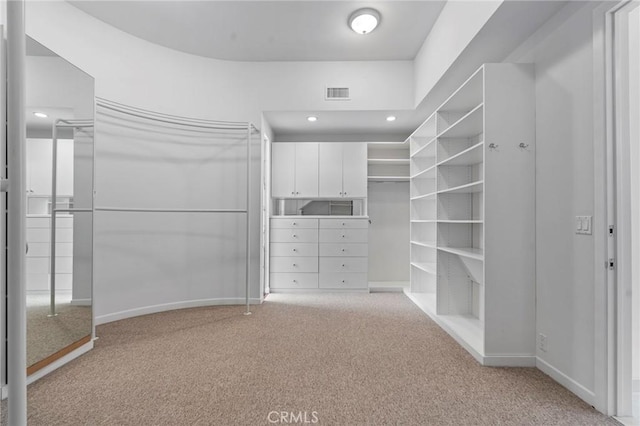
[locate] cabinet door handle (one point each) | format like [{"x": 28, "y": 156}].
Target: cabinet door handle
[
  {"x": 293, "y": 193},
  {"x": 344, "y": 193},
  {"x": 297, "y": 193}
]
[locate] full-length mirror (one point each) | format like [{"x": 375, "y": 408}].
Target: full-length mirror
[{"x": 59, "y": 116}]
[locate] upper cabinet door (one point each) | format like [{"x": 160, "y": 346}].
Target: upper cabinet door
[
  {"x": 283, "y": 166},
  {"x": 354, "y": 173},
  {"x": 306, "y": 169},
  {"x": 330, "y": 170}
]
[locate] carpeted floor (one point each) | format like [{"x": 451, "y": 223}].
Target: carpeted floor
[{"x": 356, "y": 359}]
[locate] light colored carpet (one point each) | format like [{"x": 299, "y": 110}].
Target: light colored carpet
[{"x": 353, "y": 359}]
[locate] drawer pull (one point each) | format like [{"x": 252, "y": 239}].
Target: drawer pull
[
  {"x": 295, "y": 236},
  {"x": 343, "y": 250},
  {"x": 343, "y": 223},
  {"x": 294, "y": 265},
  {"x": 294, "y": 224},
  {"x": 295, "y": 250},
  {"x": 342, "y": 235},
  {"x": 342, "y": 281},
  {"x": 294, "y": 281},
  {"x": 343, "y": 265}
]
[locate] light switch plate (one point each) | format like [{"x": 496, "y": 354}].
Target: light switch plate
[{"x": 583, "y": 225}]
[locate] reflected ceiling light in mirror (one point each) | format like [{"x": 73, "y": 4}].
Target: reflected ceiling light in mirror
[
  {"x": 363, "y": 21},
  {"x": 40, "y": 114},
  {"x": 391, "y": 118},
  {"x": 312, "y": 118}
]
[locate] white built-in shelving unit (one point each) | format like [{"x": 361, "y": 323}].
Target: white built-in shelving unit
[
  {"x": 472, "y": 215},
  {"x": 388, "y": 162}
]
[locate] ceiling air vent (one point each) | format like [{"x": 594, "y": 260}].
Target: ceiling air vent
[{"x": 337, "y": 94}]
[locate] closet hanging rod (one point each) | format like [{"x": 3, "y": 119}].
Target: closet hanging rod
[
  {"x": 137, "y": 210},
  {"x": 175, "y": 119}
]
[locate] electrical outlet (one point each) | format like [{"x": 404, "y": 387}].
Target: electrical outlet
[{"x": 542, "y": 342}]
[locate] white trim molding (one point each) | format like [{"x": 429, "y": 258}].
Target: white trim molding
[{"x": 585, "y": 394}]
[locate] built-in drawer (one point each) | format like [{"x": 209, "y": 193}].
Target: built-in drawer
[
  {"x": 294, "y": 223},
  {"x": 43, "y": 249},
  {"x": 345, "y": 280},
  {"x": 344, "y": 264},
  {"x": 293, "y": 280},
  {"x": 346, "y": 249},
  {"x": 294, "y": 264},
  {"x": 344, "y": 235},
  {"x": 344, "y": 223},
  {"x": 294, "y": 235},
  {"x": 43, "y": 235},
  {"x": 294, "y": 249}
]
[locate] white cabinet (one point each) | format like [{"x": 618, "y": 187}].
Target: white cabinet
[
  {"x": 327, "y": 254},
  {"x": 294, "y": 170},
  {"x": 343, "y": 170},
  {"x": 472, "y": 223}
]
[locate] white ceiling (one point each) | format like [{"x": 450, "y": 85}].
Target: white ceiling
[{"x": 272, "y": 30}]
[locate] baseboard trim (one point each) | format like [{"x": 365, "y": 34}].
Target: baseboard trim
[
  {"x": 81, "y": 302},
  {"x": 509, "y": 361},
  {"x": 388, "y": 286},
  {"x": 583, "y": 393},
  {"x": 154, "y": 309}
]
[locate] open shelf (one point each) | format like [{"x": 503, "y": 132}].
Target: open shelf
[
  {"x": 388, "y": 161},
  {"x": 468, "y": 95},
  {"x": 429, "y": 173},
  {"x": 426, "y": 267},
  {"x": 468, "y": 188},
  {"x": 470, "y": 252},
  {"x": 423, "y": 221},
  {"x": 428, "y": 245},
  {"x": 423, "y": 197},
  {"x": 388, "y": 178},
  {"x": 468, "y": 126},
  {"x": 417, "y": 152},
  {"x": 468, "y": 157},
  {"x": 460, "y": 221}
]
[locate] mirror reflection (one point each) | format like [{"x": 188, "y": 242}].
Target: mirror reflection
[{"x": 59, "y": 116}]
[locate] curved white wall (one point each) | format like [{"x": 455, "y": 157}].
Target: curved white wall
[{"x": 136, "y": 273}]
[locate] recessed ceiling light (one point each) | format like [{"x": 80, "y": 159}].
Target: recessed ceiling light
[
  {"x": 40, "y": 114},
  {"x": 391, "y": 118},
  {"x": 312, "y": 118},
  {"x": 363, "y": 21}
]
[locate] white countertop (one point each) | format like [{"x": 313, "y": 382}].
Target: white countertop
[{"x": 317, "y": 217}]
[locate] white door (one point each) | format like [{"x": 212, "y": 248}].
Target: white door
[
  {"x": 330, "y": 170},
  {"x": 306, "y": 169},
  {"x": 283, "y": 166},
  {"x": 354, "y": 173}
]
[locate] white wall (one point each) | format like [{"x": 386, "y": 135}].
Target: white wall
[
  {"x": 458, "y": 23},
  {"x": 562, "y": 52},
  {"x": 389, "y": 231}
]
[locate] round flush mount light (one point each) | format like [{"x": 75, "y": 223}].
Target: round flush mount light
[
  {"x": 312, "y": 118},
  {"x": 363, "y": 21},
  {"x": 391, "y": 118},
  {"x": 40, "y": 114}
]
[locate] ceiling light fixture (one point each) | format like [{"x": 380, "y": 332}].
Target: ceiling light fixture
[
  {"x": 40, "y": 114},
  {"x": 312, "y": 118},
  {"x": 363, "y": 21},
  {"x": 391, "y": 118}
]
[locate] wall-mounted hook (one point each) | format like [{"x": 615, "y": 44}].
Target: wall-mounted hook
[
  {"x": 523, "y": 145},
  {"x": 493, "y": 146}
]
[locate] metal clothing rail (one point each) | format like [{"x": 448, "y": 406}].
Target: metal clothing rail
[
  {"x": 174, "y": 119},
  {"x": 59, "y": 123},
  {"x": 129, "y": 210},
  {"x": 186, "y": 122}
]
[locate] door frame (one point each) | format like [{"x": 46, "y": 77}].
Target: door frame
[{"x": 614, "y": 313}]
